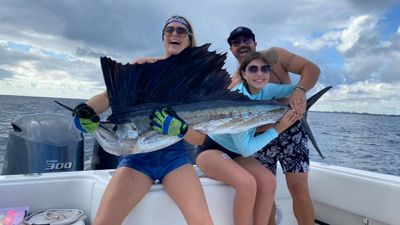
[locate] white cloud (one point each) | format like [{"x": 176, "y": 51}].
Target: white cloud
[
  {"x": 351, "y": 34},
  {"x": 329, "y": 39},
  {"x": 342, "y": 37},
  {"x": 66, "y": 88},
  {"x": 36, "y": 74},
  {"x": 362, "y": 97},
  {"x": 366, "y": 56}
]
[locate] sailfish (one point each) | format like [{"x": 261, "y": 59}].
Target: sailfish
[{"x": 194, "y": 84}]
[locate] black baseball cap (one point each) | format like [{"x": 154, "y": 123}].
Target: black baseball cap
[{"x": 241, "y": 31}]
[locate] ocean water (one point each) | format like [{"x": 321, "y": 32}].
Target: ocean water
[{"x": 360, "y": 141}]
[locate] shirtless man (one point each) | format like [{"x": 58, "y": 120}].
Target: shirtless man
[{"x": 290, "y": 148}]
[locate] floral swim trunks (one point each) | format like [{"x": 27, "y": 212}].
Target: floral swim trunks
[{"x": 290, "y": 148}]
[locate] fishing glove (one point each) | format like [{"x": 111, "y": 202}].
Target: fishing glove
[
  {"x": 85, "y": 119},
  {"x": 167, "y": 122}
]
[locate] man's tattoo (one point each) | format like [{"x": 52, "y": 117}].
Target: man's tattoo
[
  {"x": 286, "y": 67},
  {"x": 272, "y": 57}
]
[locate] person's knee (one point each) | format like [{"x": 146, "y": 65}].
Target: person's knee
[
  {"x": 201, "y": 160},
  {"x": 246, "y": 184},
  {"x": 267, "y": 183},
  {"x": 299, "y": 191}
]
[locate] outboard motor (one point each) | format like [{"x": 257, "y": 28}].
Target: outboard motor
[
  {"x": 101, "y": 159},
  {"x": 42, "y": 143}
]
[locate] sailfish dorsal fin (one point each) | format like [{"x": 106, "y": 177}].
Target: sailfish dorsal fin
[{"x": 196, "y": 74}]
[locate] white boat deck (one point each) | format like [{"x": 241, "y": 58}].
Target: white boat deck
[{"x": 341, "y": 196}]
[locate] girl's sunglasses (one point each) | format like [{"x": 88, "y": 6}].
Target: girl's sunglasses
[
  {"x": 263, "y": 69},
  {"x": 180, "y": 31}
]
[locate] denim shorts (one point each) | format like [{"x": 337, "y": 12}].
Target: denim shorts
[
  {"x": 157, "y": 164},
  {"x": 290, "y": 148},
  {"x": 210, "y": 144}
]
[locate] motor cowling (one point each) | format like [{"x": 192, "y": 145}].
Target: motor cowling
[{"x": 41, "y": 143}]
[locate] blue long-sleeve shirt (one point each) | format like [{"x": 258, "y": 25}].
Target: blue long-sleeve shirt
[{"x": 245, "y": 143}]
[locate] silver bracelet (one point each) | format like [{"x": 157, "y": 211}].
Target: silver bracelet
[{"x": 301, "y": 88}]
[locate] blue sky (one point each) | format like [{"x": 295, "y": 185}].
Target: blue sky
[{"x": 52, "y": 48}]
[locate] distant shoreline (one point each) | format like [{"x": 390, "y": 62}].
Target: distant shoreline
[{"x": 358, "y": 113}]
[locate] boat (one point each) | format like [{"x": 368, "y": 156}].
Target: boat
[{"x": 341, "y": 196}]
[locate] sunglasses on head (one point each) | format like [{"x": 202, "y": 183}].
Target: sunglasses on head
[
  {"x": 180, "y": 31},
  {"x": 263, "y": 69},
  {"x": 236, "y": 42}
]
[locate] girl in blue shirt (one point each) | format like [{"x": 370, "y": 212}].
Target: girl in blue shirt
[{"x": 225, "y": 157}]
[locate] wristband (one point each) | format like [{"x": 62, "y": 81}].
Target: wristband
[{"x": 301, "y": 88}]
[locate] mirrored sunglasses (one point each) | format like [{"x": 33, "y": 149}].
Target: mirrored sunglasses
[
  {"x": 180, "y": 31},
  {"x": 238, "y": 41},
  {"x": 263, "y": 69}
]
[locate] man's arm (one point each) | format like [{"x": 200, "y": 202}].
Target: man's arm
[
  {"x": 283, "y": 62},
  {"x": 290, "y": 62}
]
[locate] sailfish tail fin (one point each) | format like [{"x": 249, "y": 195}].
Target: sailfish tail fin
[
  {"x": 310, "y": 102},
  {"x": 315, "y": 97}
]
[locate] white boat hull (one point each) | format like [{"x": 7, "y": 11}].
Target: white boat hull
[{"x": 341, "y": 196}]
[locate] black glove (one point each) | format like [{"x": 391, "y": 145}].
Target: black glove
[
  {"x": 167, "y": 122},
  {"x": 86, "y": 118}
]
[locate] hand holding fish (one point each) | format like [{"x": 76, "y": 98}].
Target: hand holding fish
[
  {"x": 167, "y": 122},
  {"x": 286, "y": 121},
  {"x": 235, "y": 80},
  {"x": 145, "y": 60},
  {"x": 86, "y": 118},
  {"x": 298, "y": 101}
]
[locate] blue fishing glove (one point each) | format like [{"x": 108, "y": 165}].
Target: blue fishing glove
[
  {"x": 167, "y": 122},
  {"x": 86, "y": 119}
]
